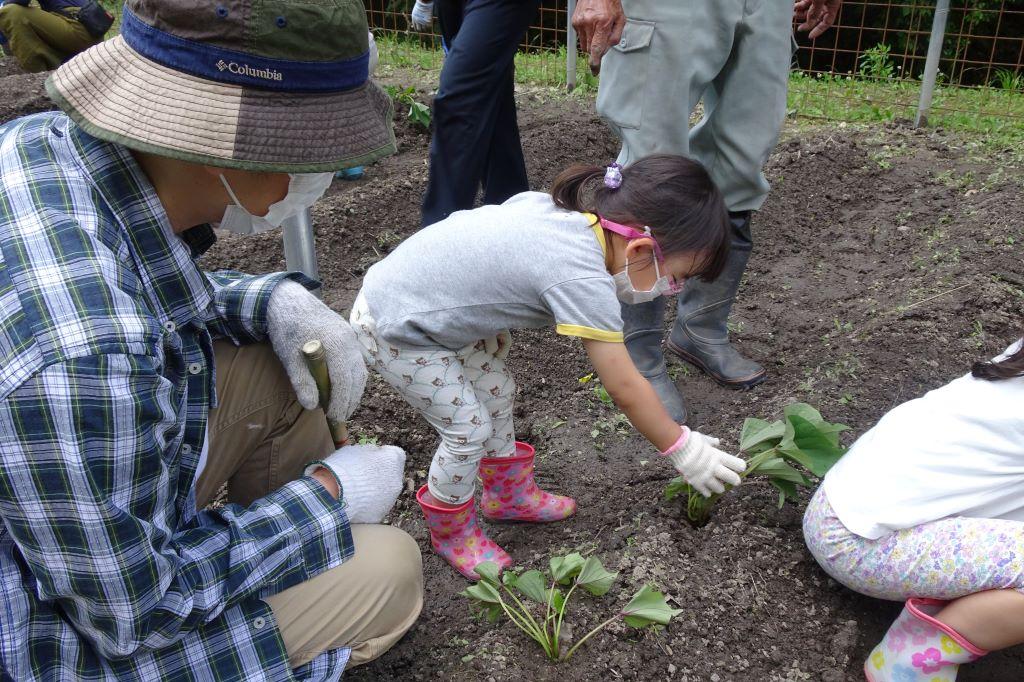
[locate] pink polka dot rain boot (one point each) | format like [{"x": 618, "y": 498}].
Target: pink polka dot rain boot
[
  {"x": 456, "y": 535},
  {"x": 511, "y": 494},
  {"x": 918, "y": 648}
]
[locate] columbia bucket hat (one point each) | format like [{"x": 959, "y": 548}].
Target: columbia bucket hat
[{"x": 267, "y": 85}]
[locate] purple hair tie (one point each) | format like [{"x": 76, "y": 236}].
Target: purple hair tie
[{"x": 613, "y": 176}]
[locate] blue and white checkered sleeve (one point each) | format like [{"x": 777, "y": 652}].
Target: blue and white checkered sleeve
[
  {"x": 88, "y": 493},
  {"x": 239, "y": 309}
]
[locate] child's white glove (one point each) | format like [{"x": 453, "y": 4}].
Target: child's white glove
[
  {"x": 295, "y": 316},
  {"x": 422, "y": 15},
  {"x": 370, "y": 476},
  {"x": 499, "y": 345},
  {"x": 702, "y": 464}
]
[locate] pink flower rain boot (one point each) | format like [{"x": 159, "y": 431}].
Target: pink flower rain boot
[
  {"x": 511, "y": 494},
  {"x": 918, "y": 648},
  {"x": 456, "y": 535}
]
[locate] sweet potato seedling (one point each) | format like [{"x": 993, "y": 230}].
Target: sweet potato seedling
[
  {"x": 542, "y": 592},
  {"x": 801, "y": 438},
  {"x": 419, "y": 113}
]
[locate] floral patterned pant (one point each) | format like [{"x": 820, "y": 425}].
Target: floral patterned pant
[
  {"x": 943, "y": 559},
  {"x": 466, "y": 395}
]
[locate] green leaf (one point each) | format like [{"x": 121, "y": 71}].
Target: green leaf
[
  {"x": 758, "y": 431},
  {"x": 594, "y": 578},
  {"x": 788, "y": 436},
  {"x": 531, "y": 585},
  {"x": 676, "y": 487},
  {"x": 832, "y": 431},
  {"x": 565, "y": 568},
  {"x": 787, "y": 490},
  {"x": 804, "y": 411},
  {"x": 492, "y": 612},
  {"x": 488, "y": 572},
  {"x": 557, "y": 600},
  {"x": 419, "y": 113},
  {"x": 483, "y": 592},
  {"x": 820, "y": 454},
  {"x": 646, "y": 607},
  {"x": 776, "y": 468}
]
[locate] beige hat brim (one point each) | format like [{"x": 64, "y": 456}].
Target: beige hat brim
[{"x": 118, "y": 95}]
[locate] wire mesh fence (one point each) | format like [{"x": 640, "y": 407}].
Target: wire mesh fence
[
  {"x": 874, "y": 57},
  {"x": 867, "y": 67}
]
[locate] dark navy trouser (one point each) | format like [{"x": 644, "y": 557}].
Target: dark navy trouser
[{"x": 476, "y": 135}]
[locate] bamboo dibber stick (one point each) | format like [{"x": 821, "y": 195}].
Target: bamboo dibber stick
[{"x": 316, "y": 361}]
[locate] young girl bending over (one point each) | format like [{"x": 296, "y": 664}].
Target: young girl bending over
[
  {"x": 928, "y": 508},
  {"x": 433, "y": 319}
]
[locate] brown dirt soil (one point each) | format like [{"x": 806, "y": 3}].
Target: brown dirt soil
[{"x": 886, "y": 260}]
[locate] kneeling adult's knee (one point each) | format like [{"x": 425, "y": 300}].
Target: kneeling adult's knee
[
  {"x": 396, "y": 557},
  {"x": 397, "y": 569}
]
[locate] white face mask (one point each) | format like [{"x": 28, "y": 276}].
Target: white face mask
[
  {"x": 629, "y": 294},
  {"x": 303, "y": 191}
]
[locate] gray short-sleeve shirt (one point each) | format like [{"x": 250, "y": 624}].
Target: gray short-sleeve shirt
[{"x": 525, "y": 263}]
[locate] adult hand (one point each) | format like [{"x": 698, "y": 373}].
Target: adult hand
[
  {"x": 500, "y": 345},
  {"x": 703, "y": 465},
  {"x": 422, "y": 15},
  {"x": 294, "y": 317},
  {"x": 599, "y": 24},
  {"x": 371, "y": 478},
  {"x": 816, "y": 16}
]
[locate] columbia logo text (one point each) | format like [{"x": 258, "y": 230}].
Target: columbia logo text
[{"x": 246, "y": 70}]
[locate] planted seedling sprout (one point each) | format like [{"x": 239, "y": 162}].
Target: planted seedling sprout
[
  {"x": 545, "y": 600},
  {"x": 802, "y": 438}
]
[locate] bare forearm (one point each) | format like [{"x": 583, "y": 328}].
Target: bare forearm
[{"x": 638, "y": 401}]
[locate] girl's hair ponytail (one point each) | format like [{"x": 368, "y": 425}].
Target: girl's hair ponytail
[
  {"x": 569, "y": 188},
  {"x": 673, "y": 195},
  {"x": 1007, "y": 368}
]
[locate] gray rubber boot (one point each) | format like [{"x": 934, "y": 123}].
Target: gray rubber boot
[
  {"x": 643, "y": 329},
  {"x": 700, "y": 335}
]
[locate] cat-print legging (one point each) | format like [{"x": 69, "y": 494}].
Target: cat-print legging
[
  {"x": 466, "y": 395},
  {"x": 943, "y": 559}
]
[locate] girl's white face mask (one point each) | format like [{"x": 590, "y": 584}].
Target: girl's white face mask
[
  {"x": 624, "y": 289},
  {"x": 627, "y": 293},
  {"x": 303, "y": 191}
]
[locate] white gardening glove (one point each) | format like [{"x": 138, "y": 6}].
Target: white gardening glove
[
  {"x": 422, "y": 15},
  {"x": 370, "y": 476},
  {"x": 499, "y": 345},
  {"x": 294, "y": 317},
  {"x": 703, "y": 465},
  {"x": 374, "y": 55}
]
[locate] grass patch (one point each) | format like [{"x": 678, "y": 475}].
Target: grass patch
[{"x": 997, "y": 113}]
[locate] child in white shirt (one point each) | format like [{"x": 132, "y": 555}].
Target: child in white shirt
[{"x": 928, "y": 507}]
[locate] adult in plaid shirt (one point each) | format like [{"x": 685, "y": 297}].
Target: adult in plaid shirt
[{"x": 134, "y": 385}]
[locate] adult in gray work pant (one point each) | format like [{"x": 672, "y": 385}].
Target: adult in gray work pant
[{"x": 736, "y": 56}]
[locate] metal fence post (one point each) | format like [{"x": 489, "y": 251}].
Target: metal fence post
[
  {"x": 931, "y": 64},
  {"x": 299, "y": 244},
  {"x": 570, "y": 48}
]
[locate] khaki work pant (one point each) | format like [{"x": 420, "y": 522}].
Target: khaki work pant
[
  {"x": 733, "y": 54},
  {"x": 41, "y": 40},
  {"x": 259, "y": 439}
]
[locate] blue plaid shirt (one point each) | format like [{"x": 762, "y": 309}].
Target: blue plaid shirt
[{"x": 107, "y": 570}]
